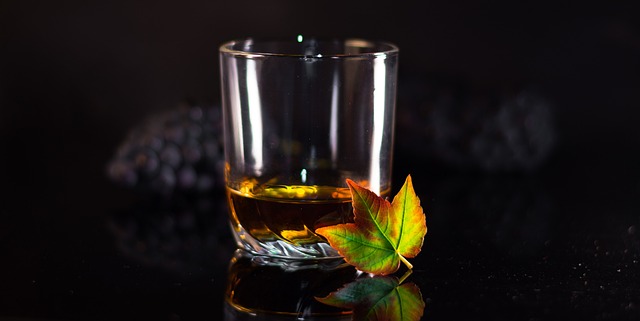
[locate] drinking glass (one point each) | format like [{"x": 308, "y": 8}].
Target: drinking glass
[{"x": 300, "y": 117}]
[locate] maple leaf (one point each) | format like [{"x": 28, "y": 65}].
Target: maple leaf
[
  {"x": 379, "y": 298},
  {"x": 383, "y": 234}
]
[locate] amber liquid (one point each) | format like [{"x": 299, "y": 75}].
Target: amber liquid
[{"x": 289, "y": 213}]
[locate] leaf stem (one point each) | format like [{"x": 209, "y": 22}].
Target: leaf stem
[
  {"x": 405, "y": 276},
  {"x": 409, "y": 265}
]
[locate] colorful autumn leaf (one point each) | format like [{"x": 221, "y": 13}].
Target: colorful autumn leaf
[
  {"x": 383, "y": 234},
  {"x": 379, "y": 298}
]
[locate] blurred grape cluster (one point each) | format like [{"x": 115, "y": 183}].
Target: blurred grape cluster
[
  {"x": 184, "y": 233},
  {"x": 177, "y": 150},
  {"x": 468, "y": 127}
]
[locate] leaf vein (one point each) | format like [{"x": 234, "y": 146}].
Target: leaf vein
[
  {"x": 404, "y": 210},
  {"x": 371, "y": 215},
  {"x": 368, "y": 244}
]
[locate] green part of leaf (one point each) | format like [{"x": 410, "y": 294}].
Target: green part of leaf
[
  {"x": 361, "y": 291},
  {"x": 379, "y": 298},
  {"x": 383, "y": 234}
]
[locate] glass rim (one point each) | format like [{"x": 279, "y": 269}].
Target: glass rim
[{"x": 382, "y": 48}]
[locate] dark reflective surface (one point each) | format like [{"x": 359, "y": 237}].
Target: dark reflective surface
[{"x": 560, "y": 243}]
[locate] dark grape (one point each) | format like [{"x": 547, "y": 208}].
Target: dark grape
[
  {"x": 165, "y": 181},
  {"x": 191, "y": 151},
  {"x": 147, "y": 162},
  {"x": 490, "y": 129},
  {"x": 187, "y": 177},
  {"x": 174, "y": 151},
  {"x": 124, "y": 172},
  {"x": 171, "y": 155}
]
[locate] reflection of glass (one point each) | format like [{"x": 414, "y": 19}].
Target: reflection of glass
[
  {"x": 299, "y": 118},
  {"x": 273, "y": 290},
  {"x": 260, "y": 289}
]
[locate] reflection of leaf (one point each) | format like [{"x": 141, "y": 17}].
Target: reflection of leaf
[
  {"x": 383, "y": 233},
  {"x": 379, "y": 298}
]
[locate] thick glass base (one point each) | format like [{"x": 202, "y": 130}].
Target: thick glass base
[{"x": 283, "y": 250}]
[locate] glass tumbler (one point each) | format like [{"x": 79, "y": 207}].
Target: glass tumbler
[{"x": 300, "y": 117}]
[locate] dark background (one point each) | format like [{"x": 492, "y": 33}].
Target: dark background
[
  {"x": 99, "y": 67},
  {"x": 76, "y": 76}
]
